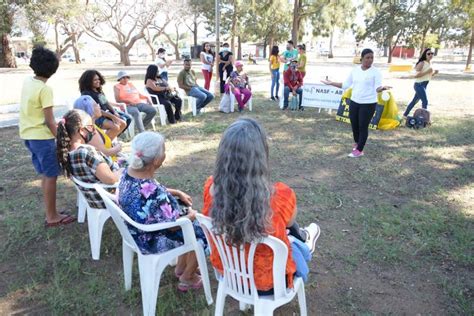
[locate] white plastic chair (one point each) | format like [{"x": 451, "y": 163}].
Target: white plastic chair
[
  {"x": 96, "y": 217},
  {"x": 233, "y": 101},
  {"x": 238, "y": 279},
  {"x": 151, "y": 266},
  {"x": 192, "y": 101},
  {"x": 155, "y": 101}
]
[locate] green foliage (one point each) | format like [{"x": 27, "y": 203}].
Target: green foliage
[{"x": 337, "y": 14}]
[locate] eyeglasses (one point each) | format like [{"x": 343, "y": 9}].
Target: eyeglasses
[
  {"x": 429, "y": 54},
  {"x": 90, "y": 128}
]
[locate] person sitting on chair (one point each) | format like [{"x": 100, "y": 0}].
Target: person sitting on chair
[
  {"x": 246, "y": 206},
  {"x": 147, "y": 201},
  {"x": 101, "y": 141},
  {"x": 239, "y": 84},
  {"x": 79, "y": 159},
  {"x": 166, "y": 95},
  {"x": 136, "y": 102},
  {"x": 187, "y": 82},
  {"x": 293, "y": 81}
]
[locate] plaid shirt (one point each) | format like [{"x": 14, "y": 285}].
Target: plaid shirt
[{"x": 84, "y": 161}]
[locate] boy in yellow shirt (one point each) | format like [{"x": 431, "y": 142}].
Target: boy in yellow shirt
[{"x": 38, "y": 129}]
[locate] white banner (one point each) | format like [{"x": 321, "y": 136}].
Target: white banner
[{"x": 321, "y": 96}]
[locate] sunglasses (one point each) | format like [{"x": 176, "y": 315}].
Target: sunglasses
[{"x": 429, "y": 54}]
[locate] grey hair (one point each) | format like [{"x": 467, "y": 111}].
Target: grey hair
[
  {"x": 146, "y": 147},
  {"x": 242, "y": 190}
]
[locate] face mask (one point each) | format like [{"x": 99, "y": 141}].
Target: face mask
[
  {"x": 225, "y": 49},
  {"x": 293, "y": 66},
  {"x": 161, "y": 55},
  {"x": 88, "y": 136}
]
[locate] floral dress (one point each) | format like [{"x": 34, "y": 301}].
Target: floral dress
[{"x": 148, "y": 202}]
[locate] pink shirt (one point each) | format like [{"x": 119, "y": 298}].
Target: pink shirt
[{"x": 129, "y": 94}]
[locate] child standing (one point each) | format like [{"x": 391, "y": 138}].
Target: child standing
[{"x": 38, "y": 129}]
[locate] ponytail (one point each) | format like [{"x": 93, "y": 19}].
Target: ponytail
[{"x": 68, "y": 126}]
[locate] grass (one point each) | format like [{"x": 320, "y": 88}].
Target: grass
[{"x": 390, "y": 222}]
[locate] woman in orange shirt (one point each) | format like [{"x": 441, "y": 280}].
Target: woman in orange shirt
[{"x": 246, "y": 206}]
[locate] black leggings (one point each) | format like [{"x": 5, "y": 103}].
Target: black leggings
[
  {"x": 228, "y": 69},
  {"x": 172, "y": 118},
  {"x": 361, "y": 115}
]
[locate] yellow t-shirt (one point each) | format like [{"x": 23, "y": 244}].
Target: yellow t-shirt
[
  {"x": 35, "y": 96},
  {"x": 274, "y": 62},
  {"x": 302, "y": 60}
]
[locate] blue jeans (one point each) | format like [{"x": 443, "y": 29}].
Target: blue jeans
[
  {"x": 286, "y": 92},
  {"x": 275, "y": 82},
  {"x": 420, "y": 94},
  {"x": 164, "y": 75},
  {"x": 202, "y": 95}
]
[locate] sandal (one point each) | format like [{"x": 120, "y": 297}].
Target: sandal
[
  {"x": 185, "y": 286},
  {"x": 68, "y": 219}
]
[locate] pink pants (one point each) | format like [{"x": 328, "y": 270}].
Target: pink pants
[
  {"x": 207, "y": 78},
  {"x": 238, "y": 92}
]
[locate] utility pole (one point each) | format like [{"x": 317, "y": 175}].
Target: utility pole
[{"x": 218, "y": 44}]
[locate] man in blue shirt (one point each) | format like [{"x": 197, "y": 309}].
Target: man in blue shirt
[{"x": 289, "y": 54}]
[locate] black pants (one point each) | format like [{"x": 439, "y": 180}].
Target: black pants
[
  {"x": 177, "y": 102},
  {"x": 361, "y": 115},
  {"x": 228, "y": 70}
]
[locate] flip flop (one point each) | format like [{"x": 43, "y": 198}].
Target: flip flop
[
  {"x": 68, "y": 219},
  {"x": 184, "y": 286}
]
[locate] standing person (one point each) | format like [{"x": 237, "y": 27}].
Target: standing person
[
  {"x": 274, "y": 64},
  {"x": 366, "y": 82},
  {"x": 187, "y": 82},
  {"x": 166, "y": 95},
  {"x": 38, "y": 130},
  {"x": 207, "y": 60},
  {"x": 111, "y": 120},
  {"x": 163, "y": 64},
  {"x": 302, "y": 59},
  {"x": 289, "y": 54},
  {"x": 136, "y": 102},
  {"x": 245, "y": 205},
  {"x": 225, "y": 60},
  {"x": 423, "y": 75},
  {"x": 293, "y": 80},
  {"x": 239, "y": 85}
]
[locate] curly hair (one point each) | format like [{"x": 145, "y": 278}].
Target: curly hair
[
  {"x": 242, "y": 190},
  {"x": 87, "y": 78},
  {"x": 44, "y": 62},
  {"x": 68, "y": 126}
]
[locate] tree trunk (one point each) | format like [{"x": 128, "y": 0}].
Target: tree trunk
[
  {"x": 7, "y": 59},
  {"x": 56, "y": 41},
  {"x": 265, "y": 48},
  {"x": 390, "y": 49},
  {"x": 77, "y": 55},
  {"x": 233, "y": 29},
  {"x": 124, "y": 58},
  {"x": 331, "y": 37},
  {"x": 296, "y": 24},
  {"x": 471, "y": 44},
  {"x": 239, "y": 52},
  {"x": 423, "y": 38},
  {"x": 195, "y": 38},
  {"x": 149, "y": 42},
  {"x": 176, "y": 48}
]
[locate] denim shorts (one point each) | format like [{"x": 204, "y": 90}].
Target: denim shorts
[{"x": 43, "y": 156}]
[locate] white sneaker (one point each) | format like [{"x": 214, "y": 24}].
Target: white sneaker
[{"x": 313, "y": 231}]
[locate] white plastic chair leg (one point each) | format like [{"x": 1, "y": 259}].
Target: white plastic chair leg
[
  {"x": 220, "y": 300},
  {"x": 232, "y": 101},
  {"x": 163, "y": 115},
  {"x": 250, "y": 104},
  {"x": 131, "y": 129},
  {"x": 150, "y": 276},
  {"x": 127, "y": 258},
  {"x": 81, "y": 208},
  {"x": 201, "y": 258},
  {"x": 302, "y": 301},
  {"x": 192, "y": 105},
  {"x": 95, "y": 221},
  {"x": 244, "y": 307}
]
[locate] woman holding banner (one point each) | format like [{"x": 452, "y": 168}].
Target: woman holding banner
[{"x": 365, "y": 81}]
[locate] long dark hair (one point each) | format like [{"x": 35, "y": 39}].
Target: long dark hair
[
  {"x": 275, "y": 51},
  {"x": 204, "y": 48},
  {"x": 151, "y": 73},
  {"x": 242, "y": 190},
  {"x": 68, "y": 126},
  {"x": 423, "y": 56},
  {"x": 86, "y": 79}
]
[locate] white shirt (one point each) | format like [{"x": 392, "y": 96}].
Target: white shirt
[
  {"x": 209, "y": 58},
  {"x": 160, "y": 62},
  {"x": 364, "y": 84}
]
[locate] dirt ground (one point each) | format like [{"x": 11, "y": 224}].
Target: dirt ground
[{"x": 396, "y": 225}]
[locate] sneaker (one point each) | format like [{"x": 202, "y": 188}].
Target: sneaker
[
  {"x": 356, "y": 154},
  {"x": 312, "y": 232},
  {"x": 273, "y": 99},
  {"x": 276, "y": 97},
  {"x": 354, "y": 146}
]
